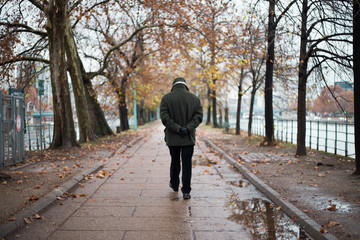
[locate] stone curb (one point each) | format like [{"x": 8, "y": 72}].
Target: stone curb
[
  {"x": 49, "y": 198},
  {"x": 305, "y": 222}
]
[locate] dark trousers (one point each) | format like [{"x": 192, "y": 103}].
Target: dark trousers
[{"x": 186, "y": 153}]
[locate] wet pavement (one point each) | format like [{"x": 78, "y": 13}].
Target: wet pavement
[{"x": 131, "y": 199}]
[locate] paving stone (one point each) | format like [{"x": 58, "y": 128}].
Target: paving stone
[
  {"x": 158, "y": 235},
  {"x": 87, "y": 235}
]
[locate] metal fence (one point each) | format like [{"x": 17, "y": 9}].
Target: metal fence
[
  {"x": 38, "y": 137},
  {"x": 328, "y": 136},
  {"x": 12, "y": 113}
]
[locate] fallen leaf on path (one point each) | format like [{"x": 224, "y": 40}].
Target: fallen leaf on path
[
  {"x": 66, "y": 168},
  {"x": 333, "y": 223},
  {"x": 26, "y": 220},
  {"x": 37, "y": 216},
  {"x": 75, "y": 195},
  {"x": 83, "y": 195},
  {"x": 37, "y": 187},
  {"x": 278, "y": 208},
  {"x": 332, "y": 207},
  {"x": 20, "y": 182},
  {"x": 254, "y": 164},
  {"x": 100, "y": 175},
  {"x": 321, "y": 175},
  {"x": 122, "y": 178},
  {"x": 12, "y": 219},
  {"x": 33, "y": 198},
  {"x": 4, "y": 183},
  {"x": 306, "y": 211}
]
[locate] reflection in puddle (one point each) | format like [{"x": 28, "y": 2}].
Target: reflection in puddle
[
  {"x": 263, "y": 220},
  {"x": 198, "y": 161},
  {"x": 239, "y": 183}
]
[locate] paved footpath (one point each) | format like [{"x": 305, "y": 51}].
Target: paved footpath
[{"x": 135, "y": 202}]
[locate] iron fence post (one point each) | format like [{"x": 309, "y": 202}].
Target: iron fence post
[
  {"x": 318, "y": 135},
  {"x": 346, "y": 140},
  {"x": 29, "y": 137},
  {"x": 49, "y": 135},
  {"x": 335, "y": 148},
  {"x": 287, "y": 127},
  {"x": 326, "y": 135},
  {"x": 37, "y": 137}
]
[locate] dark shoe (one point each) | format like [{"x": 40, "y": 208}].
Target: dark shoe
[
  {"x": 174, "y": 189},
  {"x": 186, "y": 196}
]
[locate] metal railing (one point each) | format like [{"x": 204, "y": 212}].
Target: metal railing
[
  {"x": 32, "y": 137},
  {"x": 329, "y": 136},
  {"x": 12, "y": 112}
]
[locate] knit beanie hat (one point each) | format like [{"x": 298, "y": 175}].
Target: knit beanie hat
[{"x": 179, "y": 80}]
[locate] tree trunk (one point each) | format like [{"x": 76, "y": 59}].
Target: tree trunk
[
  {"x": 64, "y": 130},
  {"x": 97, "y": 117},
  {"x": 269, "y": 118},
  {"x": 220, "y": 116},
  {"x": 226, "y": 114},
  {"x": 356, "y": 66},
  {"x": 209, "y": 107},
  {"x": 238, "y": 110},
  {"x": 123, "y": 106},
  {"x": 213, "y": 96},
  {"x": 124, "y": 121},
  {"x": 240, "y": 94},
  {"x": 252, "y": 101},
  {"x": 301, "y": 116},
  {"x": 85, "y": 127}
]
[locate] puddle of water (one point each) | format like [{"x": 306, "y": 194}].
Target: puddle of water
[
  {"x": 322, "y": 201},
  {"x": 197, "y": 161},
  {"x": 263, "y": 220},
  {"x": 239, "y": 183}
]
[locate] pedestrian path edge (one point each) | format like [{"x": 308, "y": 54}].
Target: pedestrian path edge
[
  {"x": 49, "y": 198},
  {"x": 309, "y": 225}
]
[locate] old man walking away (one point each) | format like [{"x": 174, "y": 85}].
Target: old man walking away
[{"x": 181, "y": 113}]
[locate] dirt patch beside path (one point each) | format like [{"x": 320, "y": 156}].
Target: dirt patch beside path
[
  {"x": 43, "y": 172},
  {"x": 319, "y": 184}
]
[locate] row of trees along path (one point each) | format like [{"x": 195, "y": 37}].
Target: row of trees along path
[{"x": 129, "y": 41}]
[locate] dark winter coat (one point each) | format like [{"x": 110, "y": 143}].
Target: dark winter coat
[{"x": 180, "y": 108}]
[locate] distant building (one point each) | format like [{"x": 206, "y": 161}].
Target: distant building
[{"x": 345, "y": 85}]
